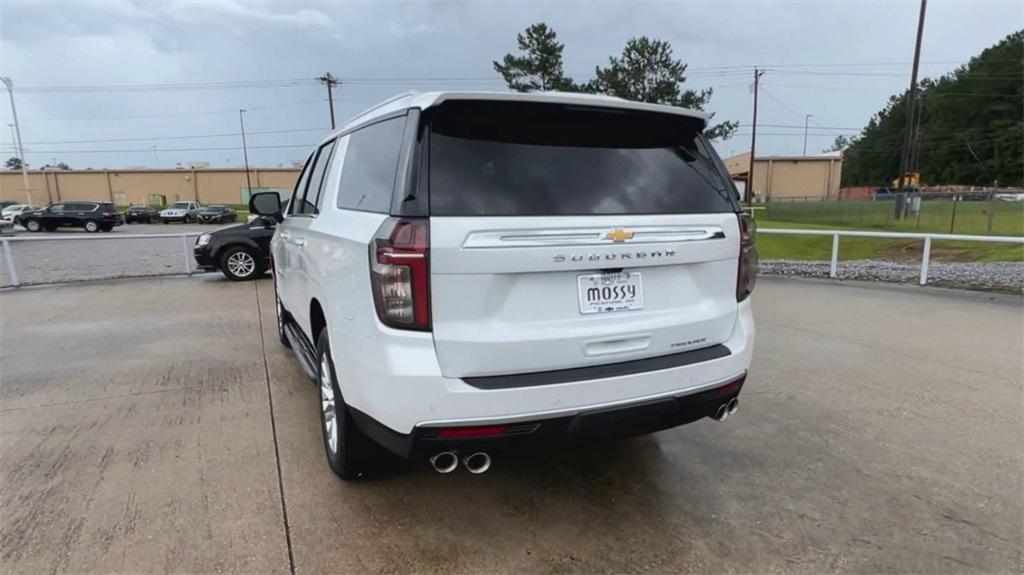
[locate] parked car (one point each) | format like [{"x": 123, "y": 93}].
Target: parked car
[
  {"x": 12, "y": 214},
  {"x": 553, "y": 266},
  {"x": 240, "y": 252},
  {"x": 217, "y": 214},
  {"x": 6, "y": 204},
  {"x": 141, "y": 214},
  {"x": 185, "y": 212},
  {"x": 90, "y": 216}
]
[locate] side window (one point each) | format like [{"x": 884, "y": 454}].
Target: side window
[
  {"x": 300, "y": 186},
  {"x": 371, "y": 162},
  {"x": 57, "y": 208},
  {"x": 316, "y": 179}
]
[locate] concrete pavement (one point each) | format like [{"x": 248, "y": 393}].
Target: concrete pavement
[{"x": 157, "y": 425}]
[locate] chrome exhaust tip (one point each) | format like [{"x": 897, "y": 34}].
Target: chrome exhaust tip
[
  {"x": 445, "y": 462},
  {"x": 734, "y": 404},
  {"x": 477, "y": 463},
  {"x": 721, "y": 413}
]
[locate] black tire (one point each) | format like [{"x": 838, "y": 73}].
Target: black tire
[
  {"x": 186, "y": 220},
  {"x": 352, "y": 452},
  {"x": 91, "y": 226},
  {"x": 239, "y": 263},
  {"x": 281, "y": 315},
  {"x": 33, "y": 225},
  {"x": 165, "y": 221}
]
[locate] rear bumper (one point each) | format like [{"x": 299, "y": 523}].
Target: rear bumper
[
  {"x": 396, "y": 381},
  {"x": 636, "y": 418}
]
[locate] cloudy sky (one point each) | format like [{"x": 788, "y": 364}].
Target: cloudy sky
[{"x": 112, "y": 83}]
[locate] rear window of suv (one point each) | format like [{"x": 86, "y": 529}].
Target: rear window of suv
[{"x": 511, "y": 159}]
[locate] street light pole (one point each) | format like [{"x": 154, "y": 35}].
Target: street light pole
[
  {"x": 245, "y": 152},
  {"x": 807, "y": 119},
  {"x": 17, "y": 131}
]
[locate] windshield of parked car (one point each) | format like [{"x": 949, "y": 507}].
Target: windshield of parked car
[{"x": 178, "y": 206}]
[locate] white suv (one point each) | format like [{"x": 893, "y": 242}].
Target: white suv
[{"x": 463, "y": 271}]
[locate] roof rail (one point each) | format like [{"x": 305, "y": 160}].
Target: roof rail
[{"x": 382, "y": 104}]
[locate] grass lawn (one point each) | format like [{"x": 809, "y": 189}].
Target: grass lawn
[
  {"x": 820, "y": 248},
  {"x": 971, "y": 218}
]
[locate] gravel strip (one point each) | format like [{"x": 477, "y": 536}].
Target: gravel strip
[{"x": 1002, "y": 276}]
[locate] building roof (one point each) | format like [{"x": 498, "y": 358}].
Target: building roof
[{"x": 424, "y": 100}]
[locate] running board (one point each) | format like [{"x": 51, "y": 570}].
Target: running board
[{"x": 303, "y": 351}]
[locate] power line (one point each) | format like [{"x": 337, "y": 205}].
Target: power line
[
  {"x": 180, "y": 114},
  {"x": 155, "y": 138},
  {"x": 147, "y": 151}
]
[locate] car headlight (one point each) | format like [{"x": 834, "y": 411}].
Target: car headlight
[{"x": 204, "y": 240}]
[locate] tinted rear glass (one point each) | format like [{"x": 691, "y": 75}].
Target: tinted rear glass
[{"x": 500, "y": 158}]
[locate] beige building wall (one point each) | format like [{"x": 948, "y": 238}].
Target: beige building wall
[
  {"x": 125, "y": 187},
  {"x": 780, "y": 177}
]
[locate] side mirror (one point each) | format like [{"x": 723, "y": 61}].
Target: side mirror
[{"x": 266, "y": 204}]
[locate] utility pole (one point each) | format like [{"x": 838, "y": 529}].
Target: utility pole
[
  {"x": 17, "y": 131},
  {"x": 749, "y": 191},
  {"x": 245, "y": 152},
  {"x": 911, "y": 97},
  {"x": 330, "y": 81},
  {"x": 807, "y": 119}
]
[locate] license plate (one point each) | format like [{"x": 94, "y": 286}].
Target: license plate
[{"x": 600, "y": 293}]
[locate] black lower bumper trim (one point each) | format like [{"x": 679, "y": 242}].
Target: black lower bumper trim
[
  {"x": 599, "y": 371},
  {"x": 607, "y": 423}
]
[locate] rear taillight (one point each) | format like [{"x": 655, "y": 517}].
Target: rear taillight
[
  {"x": 400, "y": 273},
  {"x": 747, "y": 276}
]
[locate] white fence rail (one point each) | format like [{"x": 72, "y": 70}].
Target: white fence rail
[
  {"x": 12, "y": 271},
  {"x": 926, "y": 254},
  {"x": 186, "y": 247}
]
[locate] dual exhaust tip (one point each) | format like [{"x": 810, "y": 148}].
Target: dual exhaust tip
[
  {"x": 726, "y": 409},
  {"x": 448, "y": 461}
]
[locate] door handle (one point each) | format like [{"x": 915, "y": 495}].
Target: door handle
[
  {"x": 284, "y": 235},
  {"x": 299, "y": 242}
]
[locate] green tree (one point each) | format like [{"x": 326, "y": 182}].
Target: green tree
[
  {"x": 647, "y": 71},
  {"x": 971, "y": 126},
  {"x": 540, "y": 67},
  {"x": 840, "y": 143},
  {"x": 13, "y": 163}
]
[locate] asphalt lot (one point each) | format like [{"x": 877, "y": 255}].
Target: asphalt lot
[
  {"x": 157, "y": 425},
  {"x": 94, "y": 258}
]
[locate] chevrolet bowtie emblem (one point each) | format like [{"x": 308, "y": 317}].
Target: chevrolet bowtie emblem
[{"x": 618, "y": 235}]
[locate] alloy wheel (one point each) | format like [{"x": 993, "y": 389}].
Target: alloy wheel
[
  {"x": 328, "y": 405},
  {"x": 241, "y": 264}
]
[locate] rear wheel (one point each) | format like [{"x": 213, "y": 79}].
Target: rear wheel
[
  {"x": 238, "y": 263},
  {"x": 348, "y": 449},
  {"x": 91, "y": 226},
  {"x": 33, "y": 225}
]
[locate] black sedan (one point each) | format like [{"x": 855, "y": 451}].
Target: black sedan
[
  {"x": 141, "y": 214},
  {"x": 240, "y": 252},
  {"x": 217, "y": 214}
]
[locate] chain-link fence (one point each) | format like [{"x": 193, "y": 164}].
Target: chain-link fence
[{"x": 959, "y": 213}]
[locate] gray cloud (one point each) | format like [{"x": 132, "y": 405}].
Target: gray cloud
[{"x": 121, "y": 42}]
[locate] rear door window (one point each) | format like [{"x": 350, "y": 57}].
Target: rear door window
[
  {"x": 316, "y": 180},
  {"x": 519, "y": 159},
  {"x": 371, "y": 163}
]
